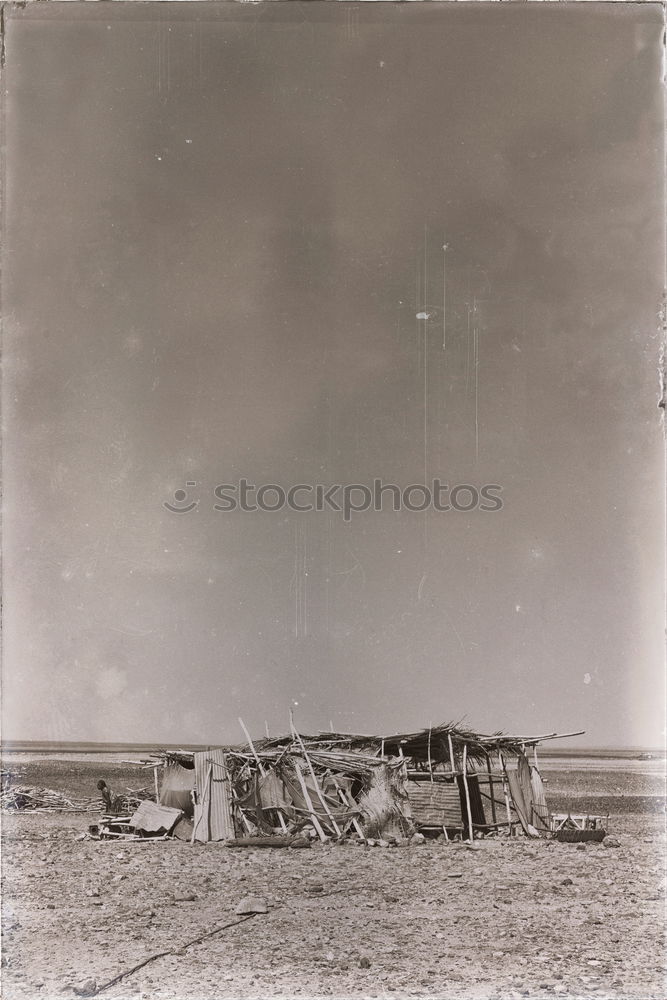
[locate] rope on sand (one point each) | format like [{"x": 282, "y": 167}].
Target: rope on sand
[{"x": 161, "y": 954}]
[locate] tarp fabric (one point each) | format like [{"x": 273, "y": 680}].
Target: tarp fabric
[
  {"x": 540, "y": 808},
  {"x": 176, "y": 787},
  {"x": 521, "y": 790}
]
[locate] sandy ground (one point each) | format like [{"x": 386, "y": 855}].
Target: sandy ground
[{"x": 506, "y": 919}]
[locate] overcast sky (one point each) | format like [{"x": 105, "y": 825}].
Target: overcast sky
[{"x": 221, "y": 224}]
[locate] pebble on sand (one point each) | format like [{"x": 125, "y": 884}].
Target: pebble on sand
[{"x": 252, "y": 904}]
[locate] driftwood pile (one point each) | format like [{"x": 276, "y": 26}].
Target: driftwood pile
[
  {"x": 21, "y": 797},
  {"x": 127, "y": 801}
]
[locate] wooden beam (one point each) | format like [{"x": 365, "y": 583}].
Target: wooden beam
[
  {"x": 430, "y": 764},
  {"x": 309, "y": 802},
  {"x": 467, "y": 790},
  {"x": 507, "y": 798},
  {"x": 348, "y": 801},
  {"x": 451, "y": 751},
  {"x": 493, "y": 801},
  {"x": 281, "y": 820},
  {"x": 320, "y": 794}
]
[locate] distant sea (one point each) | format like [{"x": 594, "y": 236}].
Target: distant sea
[{"x": 635, "y": 759}]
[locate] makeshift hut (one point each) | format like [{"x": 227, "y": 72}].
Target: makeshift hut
[{"x": 445, "y": 779}]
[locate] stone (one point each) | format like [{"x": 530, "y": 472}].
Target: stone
[
  {"x": 86, "y": 989},
  {"x": 364, "y": 963},
  {"x": 252, "y": 904},
  {"x": 611, "y": 842},
  {"x": 184, "y": 896},
  {"x": 417, "y": 838}
]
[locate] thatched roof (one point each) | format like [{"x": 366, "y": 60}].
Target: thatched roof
[{"x": 431, "y": 744}]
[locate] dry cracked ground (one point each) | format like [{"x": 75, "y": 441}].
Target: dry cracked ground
[{"x": 505, "y": 919}]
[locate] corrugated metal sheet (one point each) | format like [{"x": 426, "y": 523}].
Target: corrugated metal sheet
[
  {"x": 435, "y": 803},
  {"x": 213, "y": 811},
  {"x": 152, "y": 818}
]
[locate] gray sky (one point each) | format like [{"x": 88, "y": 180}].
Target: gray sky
[{"x": 221, "y": 222}]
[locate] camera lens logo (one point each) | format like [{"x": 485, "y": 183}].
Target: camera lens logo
[{"x": 180, "y": 496}]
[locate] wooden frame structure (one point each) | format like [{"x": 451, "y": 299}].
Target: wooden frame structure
[{"x": 444, "y": 779}]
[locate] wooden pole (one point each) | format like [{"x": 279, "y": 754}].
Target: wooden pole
[
  {"x": 309, "y": 801},
  {"x": 430, "y": 764},
  {"x": 157, "y": 785},
  {"x": 451, "y": 752},
  {"x": 507, "y": 798},
  {"x": 251, "y": 745},
  {"x": 320, "y": 795},
  {"x": 467, "y": 790},
  {"x": 348, "y": 801},
  {"x": 493, "y": 800},
  {"x": 281, "y": 819}
]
